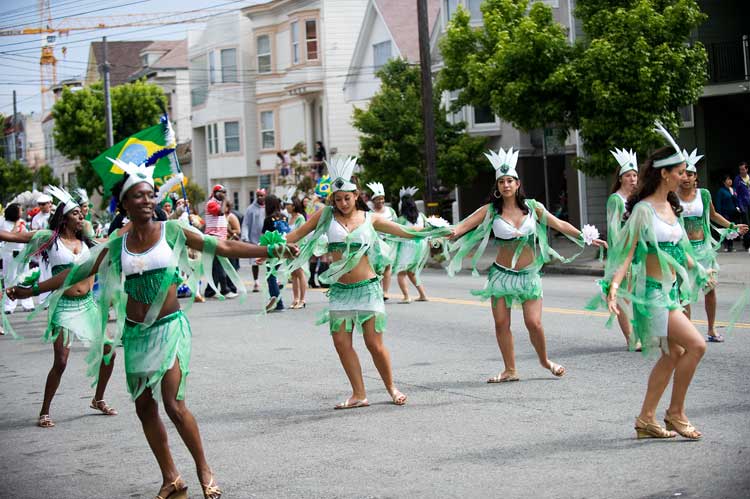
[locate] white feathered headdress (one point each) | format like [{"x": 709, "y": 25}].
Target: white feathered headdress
[
  {"x": 289, "y": 196},
  {"x": 692, "y": 160},
  {"x": 64, "y": 197},
  {"x": 504, "y": 162},
  {"x": 377, "y": 189},
  {"x": 340, "y": 169},
  {"x": 626, "y": 160},
  {"x": 407, "y": 191},
  {"x": 137, "y": 174},
  {"x": 167, "y": 186},
  {"x": 674, "y": 159},
  {"x": 81, "y": 195}
]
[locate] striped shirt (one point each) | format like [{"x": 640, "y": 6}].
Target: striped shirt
[{"x": 216, "y": 222}]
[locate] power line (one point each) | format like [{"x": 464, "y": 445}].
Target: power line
[{"x": 43, "y": 21}]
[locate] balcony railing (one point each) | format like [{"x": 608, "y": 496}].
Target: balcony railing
[{"x": 728, "y": 60}]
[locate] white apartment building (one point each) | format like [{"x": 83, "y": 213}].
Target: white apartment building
[
  {"x": 222, "y": 95},
  {"x": 302, "y": 50}
]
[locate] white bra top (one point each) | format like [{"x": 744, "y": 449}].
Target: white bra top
[
  {"x": 664, "y": 232},
  {"x": 337, "y": 233},
  {"x": 157, "y": 256},
  {"x": 505, "y": 230},
  {"x": 692, "y": 208},
  {"x": 59, "y": 254}
]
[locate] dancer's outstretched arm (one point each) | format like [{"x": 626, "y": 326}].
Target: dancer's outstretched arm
[
  {"x": 470, "y": 222},
  {"x": 16, "y": 237},
  {"x": 305, "y": 228},
  {"x": 236, "y": 249},
  {"x": 565, "y": 227}
]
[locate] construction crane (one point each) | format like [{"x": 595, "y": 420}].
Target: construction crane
[{"x": 50, "y": 30}]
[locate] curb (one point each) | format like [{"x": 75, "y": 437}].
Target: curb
[{"x": 554, "y": 269}]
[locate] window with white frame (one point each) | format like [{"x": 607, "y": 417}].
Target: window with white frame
[
  {"x": 264, "y": 54},
  {"x": 474, "y": 10},
  {"x": 198, "y": 81},
  {"x": 456, "y": 116},
  {"x": 294, "y": 35},
  {"x": 212, "y": 68},
  {"x": 212, "y": 136},
  {"x": 311, "y": 39},
  {"x": 232, "y": 136},
  {"x": 686, "y": 116},
  {"x": 267, "y": 132},
  {"x": 229, "y": 65},
  {"x": 483, "y": 115},
  {"x": 450, "y": 6},
  {"x": 381, "y": 52}
]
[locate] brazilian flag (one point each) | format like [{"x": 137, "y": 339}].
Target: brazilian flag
[{"x": 148, "y": 145}]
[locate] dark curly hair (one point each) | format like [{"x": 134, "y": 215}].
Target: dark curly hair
[{"x": 649, "y": 179}]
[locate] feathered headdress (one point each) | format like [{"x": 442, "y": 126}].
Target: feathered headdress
[
  {"x": 64, "y": 197},
  {"x": 626, "y": 160},
  {"x": 692, "y": 160},
  {"x": 289, "y": 196},
  {"x": 340, "y": 169},
  {"x": 81, "y": 196},
  {"x": 136, "y": 174},
  {"x": 504, "y": 162},
  {"x": 377, "y": 189},
  {"x": 674, "y": 159},
  {"x": 407, "y": 191},
  {"x": 167, "y": 186}
]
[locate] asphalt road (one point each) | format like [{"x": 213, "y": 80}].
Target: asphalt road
[{"x": 263, "y": 390}]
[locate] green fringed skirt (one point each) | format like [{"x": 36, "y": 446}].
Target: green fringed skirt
[
  {"x": 706, "y": 257},
  {"x": 514, "y": 286},
  {"x": 650, "y": 322},
  {"x": 76, "y": 315},
  {"x": 411, "y": 255},
  {"x": 151, "y": 351},
  {"x": 353, "y": 305}
]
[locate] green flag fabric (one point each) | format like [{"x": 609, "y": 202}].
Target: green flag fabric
[{"x": 135, "y": 149}]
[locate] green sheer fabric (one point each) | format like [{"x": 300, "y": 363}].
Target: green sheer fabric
[
  {"x": 512, "y": 286},
  {"x": 411, "y": 255},
  {"x": 145, "y": 286},
  {"x": 74, "y": 317},
  {"x": 354, "y": 304},
  {"x": 476, "y": 241},
  {"x": 615, "y": 213},
  {"x": 677, "y": 263}
]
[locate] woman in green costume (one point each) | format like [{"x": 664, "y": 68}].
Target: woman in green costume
[
  {"x": 411, "y": 254},
  {"x": 520, "y": 226},
  {"x": 379, "y": 208},
  {"x": 664, "y": 274},
  {"x": 77, "y": 314},
  {"x": 296, "y": 218},
  {"x": 155, "y": 336},
  {"x": 624, "y": 186},
  {"x": 359, "y": 258},
  {"x": 697, "y": 213}
]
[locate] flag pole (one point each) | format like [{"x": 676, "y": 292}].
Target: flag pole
[{"x": 173, "y": 159}]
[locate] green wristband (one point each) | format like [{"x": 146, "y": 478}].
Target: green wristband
[
  {"x": 35, "y": 288},
  {"x": 270, "y": 248}
]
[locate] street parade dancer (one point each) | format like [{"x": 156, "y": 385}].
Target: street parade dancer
[
  {"x": 664, "y": 272},
  {"x": 520, "y": 226},
  {"x": 379, "y": 208},
  {"x": 152, "y": 328},
  {"x": 296, "y": 217},
  {"x": 359, "y": 258},
  {"x": 77, "y": 314},
  {"x": 698, "y": 213},
  {"x": 13, "y": 221},
  {"x": 411, "y": 254},
  {"x": 626, "y": 180}
]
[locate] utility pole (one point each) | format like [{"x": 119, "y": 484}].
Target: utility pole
[
  {"x": 107, "y": 100},
  {"x": 15, "y": 138},
  {"x": 427, "y": 115}
]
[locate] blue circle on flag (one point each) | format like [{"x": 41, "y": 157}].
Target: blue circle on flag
[{"x": 134, "y": 153}]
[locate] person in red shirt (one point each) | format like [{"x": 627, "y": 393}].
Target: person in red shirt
[{"x": 216, "y": 225}]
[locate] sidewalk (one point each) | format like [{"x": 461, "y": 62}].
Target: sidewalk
[{"x": 734, "y": 267}]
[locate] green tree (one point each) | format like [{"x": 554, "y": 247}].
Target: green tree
[
  {"x": 195, "y": 193},
  {"x": 392, "y": 138},
  {"x": 15, "y": 178},
  {"x": 634, "y": 65},
  {"x": 79, "y": 122}
]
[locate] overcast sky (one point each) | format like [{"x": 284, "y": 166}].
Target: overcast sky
[{"x": 19, "y": 55}]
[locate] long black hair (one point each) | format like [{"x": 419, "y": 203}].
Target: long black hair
[
  {"x": 497, "y": 200},
  {"x": 409, "y": 209},
  {"x": 649, "y": 179},
  {"x": 58, "y": 222},
  {"x": 299, "y": 208},
  {"x": 273, "y": 206}
]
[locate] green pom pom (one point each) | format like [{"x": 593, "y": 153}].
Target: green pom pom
[{"x": 271, "y": 238}]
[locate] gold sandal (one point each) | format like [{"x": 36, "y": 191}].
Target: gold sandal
[
  {"x": 211, "y": 490},
  {"x": 505, "y": 377},
  {"x": 556, "y": 369},
  {"x": 177, "y": 493},
  {"x": 101, "y": 406},
  {"x": 45, "y": 421},
  {"x": 684, "y": 428},
  {"x": 651, "y": 430}
]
